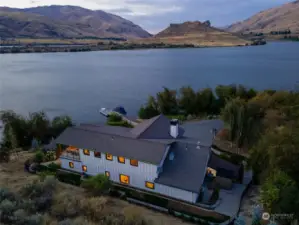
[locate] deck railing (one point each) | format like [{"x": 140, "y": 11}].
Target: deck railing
[{"x": 73, "y": 155}]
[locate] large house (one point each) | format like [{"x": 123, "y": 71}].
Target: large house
[{"x": 158, "y": 155}]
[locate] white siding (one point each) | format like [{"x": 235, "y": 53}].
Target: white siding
[
  {"x": 65, "y": 164},
  {"x": 175, "y": 193},
  {"x": 138, "y": 175}
]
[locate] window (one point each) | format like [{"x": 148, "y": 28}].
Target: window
[
  {"x": 124, "y": 179},
  {"x": 107, "y": 174},
  {"x": 211, "y": 171},
  {"x": 121, "y": 159},
  {"x": 133, "y": 162},
  {"x": 71, "y": 164},
  {"x": 149, "y": 185},
  {"x": 86, "y": 152},
  {"x": 84, "y": 168},
  {"x": 109, "y": 156},
  {"x": 97, "y": 154}
]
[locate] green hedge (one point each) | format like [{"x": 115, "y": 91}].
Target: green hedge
[
  {"x": 151, "y": 199},
  {"x": 120, "y": 124},
  {"x": 52, "y": 167},
  {"x": 68, "y": 177},
  {"x": 179, "y": 117}
]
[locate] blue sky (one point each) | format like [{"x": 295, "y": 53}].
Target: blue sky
[{"x": 155, "y": 15}]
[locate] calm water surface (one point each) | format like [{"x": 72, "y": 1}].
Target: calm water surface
[{"x": 80, "y": 84}]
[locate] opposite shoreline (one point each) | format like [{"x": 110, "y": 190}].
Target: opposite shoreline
[{"x": 105, "y": 47}]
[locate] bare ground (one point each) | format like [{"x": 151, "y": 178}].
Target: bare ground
[{"x": 13, "y": 176}]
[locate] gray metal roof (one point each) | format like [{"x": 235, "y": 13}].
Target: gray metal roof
[
  {"x": 105, "y": 129},
  {"x": 201, "y": 131},
  {"x": 142, "y": 150},
  {"x": 155, "y": 128},
  {"x": 187, "y": 170}
]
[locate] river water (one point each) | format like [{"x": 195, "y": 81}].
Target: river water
[{"x": 79, "y": 84}]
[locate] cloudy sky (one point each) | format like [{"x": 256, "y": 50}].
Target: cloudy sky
[{"x": 154, "y": 15}]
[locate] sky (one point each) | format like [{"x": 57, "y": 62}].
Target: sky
[{"x": 155, "y": 15}]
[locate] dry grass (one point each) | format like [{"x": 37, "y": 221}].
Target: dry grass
[
  {"x": 75, "y": 203},
  {"x": 210, "y": 39}
]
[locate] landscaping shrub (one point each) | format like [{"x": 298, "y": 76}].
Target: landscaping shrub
[
  {"x": 66, "y": 222},
  {"x": 40, "y": 192},
  {"x": 133, "y": 216},
  {"x": 181, "y": 118},
  {"x": 120, "y": 124},
  {"x": 94, "y": 208},
  {"x": 113, "y": 219},
  {"x": 114, "y": 117},
  {"x": 39, "y": 157},
  {"x": 50, "y": 156},
  {"x": 5, "y": 194},
  {"x": 7, "y": 209},
  {"x": 97, "y": 184},
  {"x": 34, "y": 220},
  {"x": 20, "y": 217},
  {"x": 70, "y": 178},
  {"x": 54, "y": 167},
  {"x": 65, "y": 205}
]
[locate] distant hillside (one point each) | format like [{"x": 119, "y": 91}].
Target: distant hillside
[
  {"x": 196, "y": 33},
  {"x": 65, "y": 21},
  {"x": 282, "y": 18}
]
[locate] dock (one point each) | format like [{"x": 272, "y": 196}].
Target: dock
[{"x": 106, "y": 112}]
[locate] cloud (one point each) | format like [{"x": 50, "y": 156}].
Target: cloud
[
  {"x": 155, "y": 15},
  {"x": 139, "y": 7}
]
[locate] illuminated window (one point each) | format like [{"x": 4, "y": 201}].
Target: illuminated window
[
  {"x": 86, "y": 152},
  {"x": 97, "y": 154},
  {"x": 121, "y": 159},
  {"x": 149, "y": 185},
  {"x": 124, "y": 179},
  {"x": 72, "y": 148},
  {"x": 71, "y": 164},
  {"x": 133, "y": 162},
  {"x": 109, "y": 156},
  {"x": 84, "y": 168},
  {"x": 211, "y": 171},
  {"x": 107, "y": 174}
]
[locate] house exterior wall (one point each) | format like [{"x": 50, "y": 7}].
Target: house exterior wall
[
  {"x": 65, "y": 164},
  {"x": 145, "y": 172},
  {"x": 175, "y": 193},
  {"x": 138, "y": 175}
]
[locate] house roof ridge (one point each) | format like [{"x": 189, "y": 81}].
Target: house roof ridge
[{"x": 120, "y": 136}]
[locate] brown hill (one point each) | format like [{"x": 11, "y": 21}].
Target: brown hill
[
  {"x": 198, "y": 34},
  {"x": 282, "y": 18},
  {"x": 66, "y": 21}
]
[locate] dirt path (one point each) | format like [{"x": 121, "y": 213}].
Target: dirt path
[{"x": 13, "y": 176}]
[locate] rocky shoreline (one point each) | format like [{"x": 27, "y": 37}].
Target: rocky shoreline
[{"x": 99, "y": 47}]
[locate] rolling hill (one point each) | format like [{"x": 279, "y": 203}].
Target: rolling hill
[
  {"x": 196, "y": 33},
  {"x": 65, "y": 22},
  {"x": 282, "y": 18}
]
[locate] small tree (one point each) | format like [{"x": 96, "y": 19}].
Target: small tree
[
  {"x": 97, "y": 184},
  {"x": 4, "y": 153},
  {"x": 39, "y": 157},
  {"x": 113, "y": 117}
]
